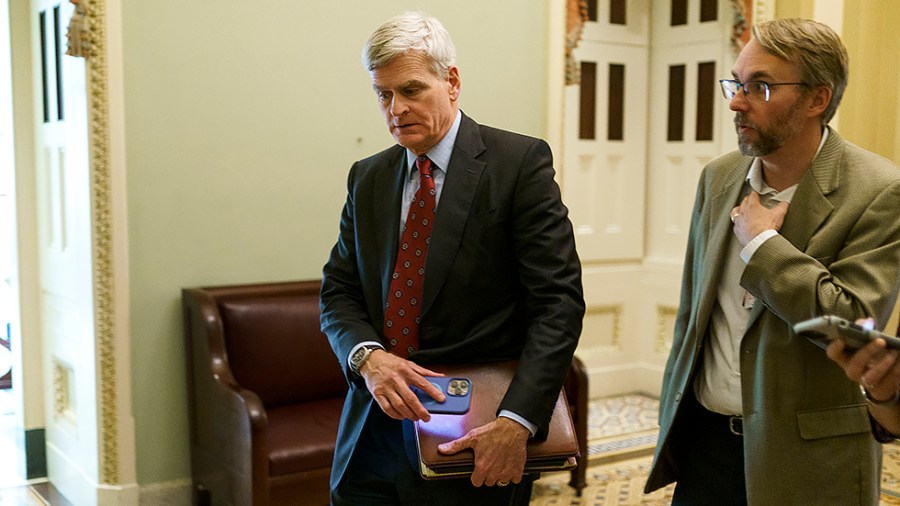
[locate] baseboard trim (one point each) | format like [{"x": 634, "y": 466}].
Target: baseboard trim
[
  {"x": 35, "y": 454},
  {"x": 166, "y": 492}
]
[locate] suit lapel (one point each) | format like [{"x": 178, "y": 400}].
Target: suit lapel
[
  {"x": 719, "y": 229},
  {"x": 457, "y": 196},
  {"x": 387, "y": 217},
  {"x": 810, "y": 205}
]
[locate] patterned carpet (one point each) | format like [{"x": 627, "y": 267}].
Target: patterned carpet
[{"x": 621, "y": 438}]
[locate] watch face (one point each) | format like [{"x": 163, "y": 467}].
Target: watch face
[{"x": 359, "y": 355}]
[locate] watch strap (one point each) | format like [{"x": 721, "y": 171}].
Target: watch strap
[
  {"x": 367, "y": 350},
  {"x": 895, "y": 399}
]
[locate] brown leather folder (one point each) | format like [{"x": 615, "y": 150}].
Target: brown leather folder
[{"x": 489, "y": 383}]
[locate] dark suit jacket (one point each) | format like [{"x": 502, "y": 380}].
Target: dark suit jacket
[
  {"x": 807, "y": 435},
  {"x": 502, "y": 278}
]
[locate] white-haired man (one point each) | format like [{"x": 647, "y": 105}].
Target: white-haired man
[{"x": 454, "y": 247}]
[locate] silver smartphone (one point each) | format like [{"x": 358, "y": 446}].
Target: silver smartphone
[{"x": 823, "y": 329}]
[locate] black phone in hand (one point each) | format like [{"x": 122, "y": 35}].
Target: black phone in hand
[{"x": 823, "y": 329}]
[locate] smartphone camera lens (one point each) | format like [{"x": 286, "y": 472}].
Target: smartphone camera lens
[{"x": 458, "y": 387}]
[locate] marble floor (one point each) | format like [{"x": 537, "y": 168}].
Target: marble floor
[{"x": 621, "y": 427}]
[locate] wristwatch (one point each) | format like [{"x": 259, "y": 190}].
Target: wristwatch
[
  {"x": 885, "y": 403},
  {"x": 360, "y": 356}
]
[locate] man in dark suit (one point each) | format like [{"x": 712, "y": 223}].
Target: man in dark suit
[{"x": 500, "y": 279}]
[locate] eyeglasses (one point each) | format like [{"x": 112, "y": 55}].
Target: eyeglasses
[{"x": 753, "y": 90}]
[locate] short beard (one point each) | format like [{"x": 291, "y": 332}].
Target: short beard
[
  {"x": 765, "y": 144},
  {"x": 761, "y": 147},
  {"x": 772, "y": 139}
]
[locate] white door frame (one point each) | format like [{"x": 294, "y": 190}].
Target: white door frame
[{"x": 83, "y": 267}]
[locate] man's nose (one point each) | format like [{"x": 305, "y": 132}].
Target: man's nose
[
  {"x": 398, "y": 105},
  {"x": 739, "y": 101}
]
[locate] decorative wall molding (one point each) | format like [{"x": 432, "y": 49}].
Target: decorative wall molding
[
  {"x": 61, "y": 390},
  {"x": 576, "y": 15},
  {"x": 740, "y": 26},
  {"x": 665, "y": 320},
  {"x": 747, "y": 12},
  {"x": 98, "y": 127},
  {"x": 614, "y": 311}
]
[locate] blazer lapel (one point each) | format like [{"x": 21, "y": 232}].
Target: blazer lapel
[
  {"x": 387, "y": 217},
  {"x": 457, "y": 195},
  {"x": 810, "y": 206},
  {"x": 719, "y": 229}
]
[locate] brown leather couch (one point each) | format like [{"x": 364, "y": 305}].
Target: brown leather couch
[{"x": 266, "y": 393}]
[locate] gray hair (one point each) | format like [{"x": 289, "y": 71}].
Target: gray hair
[
  {"x": 410, "y": 31},
  {"x": 815, "y": 48}
]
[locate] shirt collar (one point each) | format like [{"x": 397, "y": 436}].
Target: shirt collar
[
  {"x": 755, "y": 178},
  {"x": 440, "y": 153}
]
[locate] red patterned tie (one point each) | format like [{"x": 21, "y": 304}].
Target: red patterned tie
[{"x": 401, "y": 314}]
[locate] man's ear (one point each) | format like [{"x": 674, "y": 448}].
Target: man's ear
[
  {"x": 453, "y": 82},
  {"x": 821, "y": 97}
]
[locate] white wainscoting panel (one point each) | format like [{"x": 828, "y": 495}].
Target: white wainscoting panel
[{"x": 631, "y": 197}]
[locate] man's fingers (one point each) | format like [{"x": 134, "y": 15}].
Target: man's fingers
[
  {"x": 425, "y": 385},
  {"x": 477, "y": 478},
  {"x": 416, "y": 411},
  {"x": 884, "y": 361},
  {"x": 836, "y": 352},
  {"x": 422, "y": 371},
  {"x": 879, "y": 365},
  {"x": 389, "y": 379},
  {"x": 868, "y": 355},
  {"x": 401, "y": 405},
  {"x": 454, "y": 446},
  {"x": 387, "y": 407},
  {"x": 399, "y": 409},
  {"x": 895, "y": 370}
]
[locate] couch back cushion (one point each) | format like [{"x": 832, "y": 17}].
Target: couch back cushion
[{"x": 276, "y": 349}]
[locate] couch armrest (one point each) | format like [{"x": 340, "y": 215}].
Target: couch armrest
[{"x": 228, "y": 422}]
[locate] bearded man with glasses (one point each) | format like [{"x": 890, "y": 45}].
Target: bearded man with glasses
[{"x": 798, "y": 223}]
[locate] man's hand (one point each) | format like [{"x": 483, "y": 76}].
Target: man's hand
[
  {"x": 499, "y": 451},
  {"x": 389, "y": 377},
  {"x": 871, "y": 366},
  {"x": 751, "y": 217}
]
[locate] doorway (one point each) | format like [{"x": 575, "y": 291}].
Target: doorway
[{"x": 641, "y": 118}]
